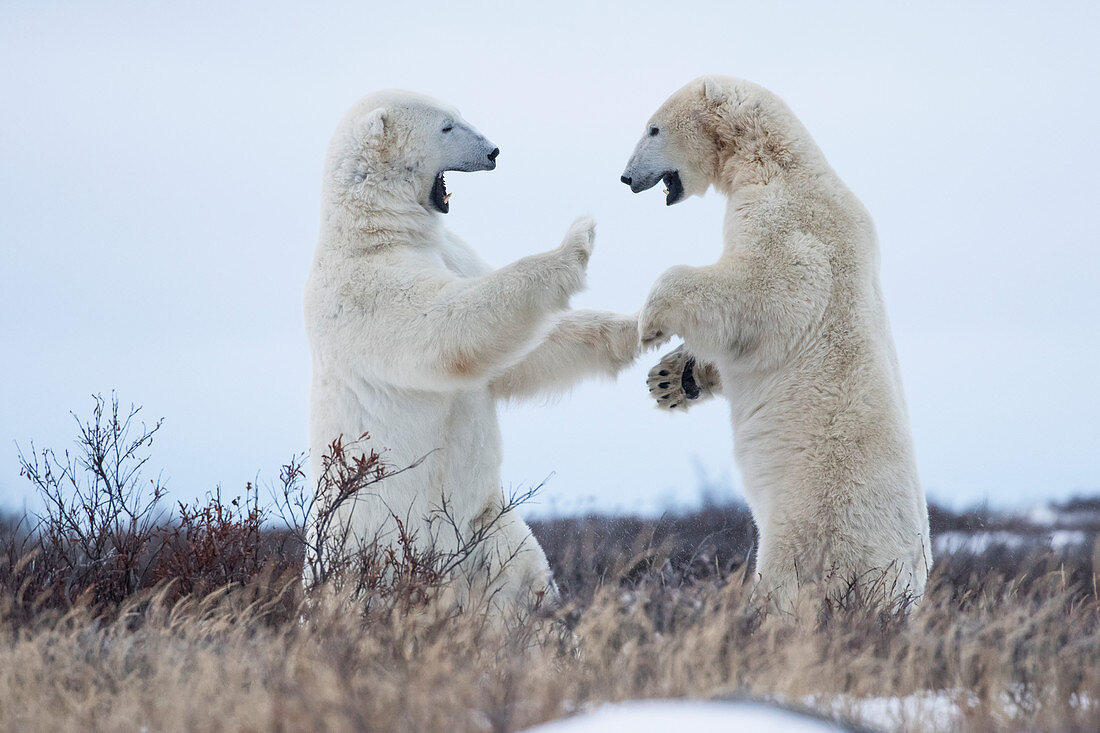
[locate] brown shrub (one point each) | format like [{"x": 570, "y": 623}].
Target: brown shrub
[{"x": 211, "y": 545}]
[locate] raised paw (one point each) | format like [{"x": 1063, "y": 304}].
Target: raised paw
[
  {"x": 663, "y": 314},
  {"x": 677, "y": 381},
  {"x": 580, "y": 240},
  {"x": 652, "y": 330}
]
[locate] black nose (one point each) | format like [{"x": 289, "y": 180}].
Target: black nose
[
  {"x": 625, "y": 179},
  {"x": 493, "y": 155}
]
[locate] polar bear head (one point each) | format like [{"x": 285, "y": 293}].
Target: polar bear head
[
  {"x": 692, "y": 142},
  {"x": 393, "y": 147}
]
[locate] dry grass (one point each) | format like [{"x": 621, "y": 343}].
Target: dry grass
[
  {"x": 654, "y": 608},
  {"x": 1018, "y": 653}
]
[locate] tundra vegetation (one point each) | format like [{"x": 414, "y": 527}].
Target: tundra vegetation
[{"x": 119, "y": 611}]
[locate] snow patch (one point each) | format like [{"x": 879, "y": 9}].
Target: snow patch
[
  {"x": 928, "y": 710},
  {"x": 1042, "y": 515},
  {"x": 975, "y": 543},
  {"x": 1062, "y": 538},
  {"x": 659, "y": 716}
]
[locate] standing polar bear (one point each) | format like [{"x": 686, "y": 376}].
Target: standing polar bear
[
  {"x": 790, "y": 326},
  {"x": 414, "y": 339}
]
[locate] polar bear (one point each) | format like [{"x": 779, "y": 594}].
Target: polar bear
[
  {"x": 414, "y": 339},
  {"x": 790, "y": 326}
]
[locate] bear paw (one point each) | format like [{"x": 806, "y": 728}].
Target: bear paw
[
  {"x": 580, "y": 240},
  {"x": 678, "y": 381}
]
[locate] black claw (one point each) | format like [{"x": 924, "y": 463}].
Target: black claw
[
  {"x": 687, "y": 380},
  {"x": 672, "y": 406},
  {"x": 662, "y": 373},
  {"x": 663, "y": 385}
]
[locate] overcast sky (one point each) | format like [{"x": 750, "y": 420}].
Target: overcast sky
[{"x": 159, "y": 193}]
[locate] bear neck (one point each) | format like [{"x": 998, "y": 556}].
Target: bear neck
[
  {"x": 755, "y": 147},
  {"x": 372, "y": 218}
]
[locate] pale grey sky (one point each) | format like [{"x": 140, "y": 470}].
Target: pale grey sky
[{"x": 159, "y": 181}]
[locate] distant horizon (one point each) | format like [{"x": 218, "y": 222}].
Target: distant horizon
[{"x": 708, "y": 490}]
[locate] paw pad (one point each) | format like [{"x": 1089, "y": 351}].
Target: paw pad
[{"x": 676, "y": 381}]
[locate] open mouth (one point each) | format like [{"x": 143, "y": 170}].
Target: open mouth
[
  {"x": 439, "y": 196},
  {"x": 674, "y": 189}
]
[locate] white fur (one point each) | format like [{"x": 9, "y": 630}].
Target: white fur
[
  {"x": 792, "y": 317},
  {"x": 414, "y": 338}
]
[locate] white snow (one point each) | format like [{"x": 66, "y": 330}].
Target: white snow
[
  {"x": 1046, "y": 515},
  {"x": 1063, "y": 538},
  {"x": 659, "y": 716},
  {"x": 925, "y": 711},
  {"x": 1042, "y": 515},
  {"x": 952, "y": 542},
  {"x": 929, "y": 710}
]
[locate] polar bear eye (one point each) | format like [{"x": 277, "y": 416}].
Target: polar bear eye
[
  {"x": 448, "y": 128},
  {"x": 653, "y": 131}
]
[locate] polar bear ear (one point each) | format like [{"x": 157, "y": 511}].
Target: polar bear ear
[
  {"x": 714, "y": 91},
  {"x": 371, "y": 128}
]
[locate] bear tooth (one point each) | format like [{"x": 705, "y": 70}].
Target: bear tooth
[
  {"x": 666, "y": 192},
  {"x": 446, "y": 198}
]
